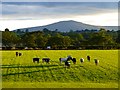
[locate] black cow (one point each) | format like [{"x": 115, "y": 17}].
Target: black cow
[
  {"x": 17, "y": 53},
  {"x": 88, "y": 58},
  {"x": 20, "y": 54},
  {"x": 47, "y": 60},
  {"x": 36, "y": 59},
  {"x": 74, "y": 60},
  {"x": 82, "y": 60},
  {"x": 67, "y": 64},
  {"x": 96, "y": 61}
]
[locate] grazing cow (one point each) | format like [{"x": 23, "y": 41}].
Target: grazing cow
[
  {"x": 67, "y": 64},
  {"x": 82, "y": 60},
  {"x": 17, "y": 53},
  {"x": 36, "y": 59},
  {"x": 74, "y": 60},
  {"x": 47, "y": 60},
  {"x": 96, "y": 61},
  {"x": 65, "y": 59},
  {"x": 20, "y": 54},
  {"x": 88, "y": 58}
]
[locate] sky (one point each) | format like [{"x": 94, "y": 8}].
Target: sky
[{"x": 15, "y": 15}]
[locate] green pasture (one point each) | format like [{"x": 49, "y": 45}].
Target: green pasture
[{"x": 21, "y": 72}]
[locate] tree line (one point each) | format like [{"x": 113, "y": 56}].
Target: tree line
[{"x": 101, "y": 39}]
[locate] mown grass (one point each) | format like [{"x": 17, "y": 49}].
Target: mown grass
[
  {"x": 22, "y": 72},
  {"x": 58, "y": 85}
]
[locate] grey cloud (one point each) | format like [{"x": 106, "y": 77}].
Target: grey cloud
[{"x": 53, "y": 10}]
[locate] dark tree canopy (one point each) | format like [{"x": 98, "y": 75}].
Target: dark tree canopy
[{"x": 61, "y": 40}]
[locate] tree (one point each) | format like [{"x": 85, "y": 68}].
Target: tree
[
  {"x": 27, "y": 30},
  {"x": 77, "y": 38},
  {"x": 6, "y": 29},
  {"x": 46, "y": 30},
  {"x": 101, "y": 38},
  {"x": 118, "y": 37},
  {"x": 18, "y": 31},
  {"x": 55, "y": 41},
  {"x": 10, "y": 39},
  {"x": 66, "y": 41},
  {"x": 41, "y": 41},
  {"x": 29, "y": 40}
]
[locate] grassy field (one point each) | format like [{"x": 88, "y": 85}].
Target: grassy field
[{"x": 21, "y": 72}]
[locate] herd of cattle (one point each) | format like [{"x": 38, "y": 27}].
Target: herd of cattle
[{"x": 65, "y": 60}]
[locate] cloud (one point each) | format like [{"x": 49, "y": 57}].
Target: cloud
[
  {"x": 60, "y": 0},
  {"x": 25, "y": 14},
  {"x": 42, "y": 10}
]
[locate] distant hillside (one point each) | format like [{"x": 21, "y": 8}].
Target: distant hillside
[{"x": 66, "y": 26}]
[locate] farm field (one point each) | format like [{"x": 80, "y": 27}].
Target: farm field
[{"x": 21, "y": 72}]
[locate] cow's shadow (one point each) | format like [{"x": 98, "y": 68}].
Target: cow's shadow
[
  {"x": 39, "y": 68},
  {"x": 32, "y": 68},
  {"x": 27, "y": 66}
]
